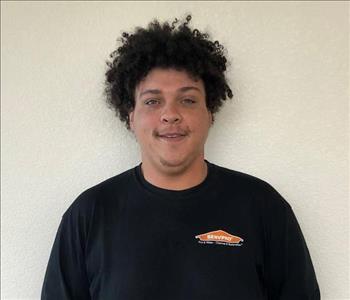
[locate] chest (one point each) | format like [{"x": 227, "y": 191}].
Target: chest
[{"x": 200, "y": 252}]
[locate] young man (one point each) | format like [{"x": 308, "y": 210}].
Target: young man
[{"x": 176, "y": 226}]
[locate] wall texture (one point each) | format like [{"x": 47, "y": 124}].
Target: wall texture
[{"x": 288, "y": 122}]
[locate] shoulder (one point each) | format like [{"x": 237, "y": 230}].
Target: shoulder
[
  {"x": 229, "y": 175},
  {"x": 251, "y": 186},
  {"x": 100, "y": 194},
  {"x": 239, "y": 180}
]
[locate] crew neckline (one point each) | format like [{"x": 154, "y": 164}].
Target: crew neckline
[{"x": 178, "y": 194}]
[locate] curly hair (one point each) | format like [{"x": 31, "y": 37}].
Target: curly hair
[{"x": 165, "y": 46}]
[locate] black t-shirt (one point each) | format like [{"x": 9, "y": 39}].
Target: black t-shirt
[{"x": 232, "y": 236}]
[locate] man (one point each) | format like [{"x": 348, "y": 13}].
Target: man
[{"x": 176, "y": 226}]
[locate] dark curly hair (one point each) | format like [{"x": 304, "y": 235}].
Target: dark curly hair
[{"x": 174, "y": 46}]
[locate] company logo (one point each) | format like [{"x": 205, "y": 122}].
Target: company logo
[{"x": 219, "y": 237}]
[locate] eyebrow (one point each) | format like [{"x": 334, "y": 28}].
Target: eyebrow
[{"x": 182, "y": 90}]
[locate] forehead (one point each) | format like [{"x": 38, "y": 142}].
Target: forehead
[{"x": 168, "y": 80}]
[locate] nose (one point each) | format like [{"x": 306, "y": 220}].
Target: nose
[{"x": 170, "y": 115}]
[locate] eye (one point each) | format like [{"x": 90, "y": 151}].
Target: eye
[
  {"x": 151, "y": 102},
  {"x": 188, "y": 101}
]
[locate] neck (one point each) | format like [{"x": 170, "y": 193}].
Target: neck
[{"x": 179, "y": 179}]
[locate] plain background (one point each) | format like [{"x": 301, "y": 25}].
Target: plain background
[{"x": 287, "y": 124}]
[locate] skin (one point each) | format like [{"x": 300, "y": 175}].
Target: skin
[{"x": 171, "y": 123}]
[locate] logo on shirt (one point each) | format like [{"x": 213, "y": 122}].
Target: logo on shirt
[{"x": 219, "y": 237}]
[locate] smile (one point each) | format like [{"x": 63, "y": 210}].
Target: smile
[{"x": 172, "y": 137}]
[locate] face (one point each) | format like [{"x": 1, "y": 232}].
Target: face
[{"x": 170, "y": 120}]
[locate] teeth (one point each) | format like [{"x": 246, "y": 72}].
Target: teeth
[{"x": 172, "y": 136}]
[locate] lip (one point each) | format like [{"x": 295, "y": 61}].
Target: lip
[{"x": 172, "y": 136}]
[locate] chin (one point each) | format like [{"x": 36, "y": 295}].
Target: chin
[
  {"x": 171, "y": 162},
  {"x": 176, "y": 165}
]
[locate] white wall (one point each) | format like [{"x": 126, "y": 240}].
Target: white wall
[{"x": 288, "y": 122}]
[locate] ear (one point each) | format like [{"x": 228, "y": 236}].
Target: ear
[
  {"x": 211, "y": 118},
  {"x": 131, "y": 120}
]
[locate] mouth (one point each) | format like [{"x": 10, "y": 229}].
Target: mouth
[{"x": 172, "y": 136}]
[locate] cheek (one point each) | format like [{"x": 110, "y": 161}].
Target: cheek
[
  {"x": 144, "y": 123},
  {"x": 201, "y": 124},
  {"x": 147, "y": 123}
]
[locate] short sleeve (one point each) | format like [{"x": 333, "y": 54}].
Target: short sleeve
[
  {"x": 290, "y": 272},
  {"x": 66, "y": 276}
]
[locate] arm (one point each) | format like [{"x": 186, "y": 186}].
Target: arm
[
  {"x": 290, "y": 272},
  {"x": 66, "y": 276}
]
